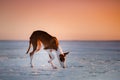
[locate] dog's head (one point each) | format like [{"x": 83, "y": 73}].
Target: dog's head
[{"x": 62, "y": 59}]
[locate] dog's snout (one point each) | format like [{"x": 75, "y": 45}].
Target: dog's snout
[{"x": 63, "y": 66}]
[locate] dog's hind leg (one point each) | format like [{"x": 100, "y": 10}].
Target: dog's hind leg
[
  {"x": 34, "y": 43},
  {"x": 38, "y": 45}
]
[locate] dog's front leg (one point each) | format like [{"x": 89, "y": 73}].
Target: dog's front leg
[{"x": 51, "y": 58}]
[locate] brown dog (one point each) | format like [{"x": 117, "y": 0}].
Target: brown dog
[{"x": 50, "y": 43}]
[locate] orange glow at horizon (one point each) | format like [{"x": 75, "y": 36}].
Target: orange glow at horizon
[{"x": 67, "y": 20}]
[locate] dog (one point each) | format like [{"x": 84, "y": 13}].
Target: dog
[{"x": 50, "y": 44}]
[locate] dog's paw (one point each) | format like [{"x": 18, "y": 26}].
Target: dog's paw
[
  {"x": 49, "y": 61},
  {"x": 54, "y": 67},
  {"x": 31, "y": 65}
]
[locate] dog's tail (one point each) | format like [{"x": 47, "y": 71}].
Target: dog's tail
[{"x": 29, "y": 47}]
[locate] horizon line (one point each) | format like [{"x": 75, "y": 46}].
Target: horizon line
[{"x": 62, "y": 40}]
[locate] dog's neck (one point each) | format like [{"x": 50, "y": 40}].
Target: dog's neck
[{"x": 59, "y": 51}]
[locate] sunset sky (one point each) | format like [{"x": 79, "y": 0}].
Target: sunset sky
[{"x": 65, "y": 19}]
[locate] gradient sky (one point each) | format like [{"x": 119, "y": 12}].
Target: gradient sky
[{"x": 65, "y": 19}]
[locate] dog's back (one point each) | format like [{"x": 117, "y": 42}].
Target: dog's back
[{"x": 40, "y": 35}]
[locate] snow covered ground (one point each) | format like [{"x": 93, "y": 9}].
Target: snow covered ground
[{"x": 86, "y": 61}]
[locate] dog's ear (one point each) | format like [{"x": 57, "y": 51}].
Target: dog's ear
[{"x": 66, "y": 53}]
